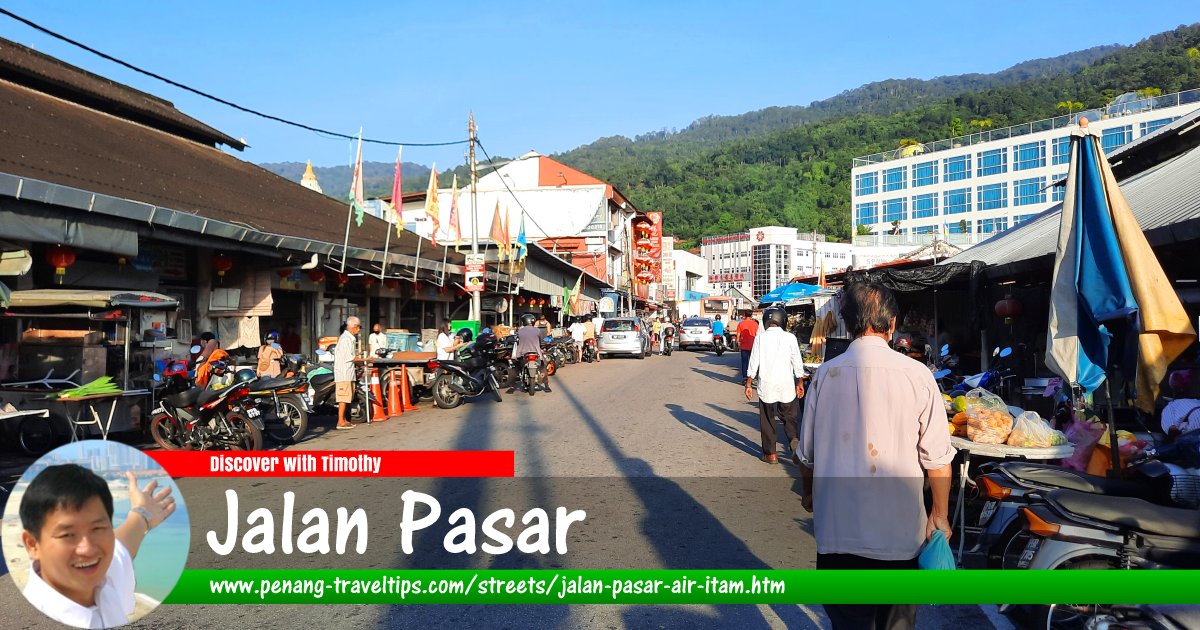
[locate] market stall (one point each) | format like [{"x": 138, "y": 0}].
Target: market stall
[{"x": 70, "y": 338}]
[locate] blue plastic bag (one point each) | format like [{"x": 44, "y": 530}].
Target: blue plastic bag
[{"x": 936, "y": 554}]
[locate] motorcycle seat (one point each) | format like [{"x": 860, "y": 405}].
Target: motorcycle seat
[
  {"x": 277, "y": 382},
  {"x": 184, "y": 399},
  {"x": 1049, "y": 476},
  {"x": 1128, "y": 513},
  {"x": 208, "y": 396}
]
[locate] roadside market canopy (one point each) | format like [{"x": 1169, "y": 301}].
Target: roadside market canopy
[
  {"x": 42, "y": 298},
  {"x": 790, "y": 291},
  {"x": 922, "y": 278}
]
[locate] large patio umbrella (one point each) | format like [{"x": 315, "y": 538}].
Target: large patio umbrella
[
  {"x": 789, "y": 291},
  {"x": 1105, "y": 271}
]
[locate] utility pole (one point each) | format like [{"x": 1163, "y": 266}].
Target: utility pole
[{"x": 476, "y": 305}]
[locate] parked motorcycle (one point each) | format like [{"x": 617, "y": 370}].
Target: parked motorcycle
[
  {"x": 209, "y": 419},
  {"x": 475, "y": 374},
  {"x": 1145, "y": 617},
  {"x": 322, "y": 390},
  {"x": 668, "y": 341},
  {"x": 284, "y": 405}
]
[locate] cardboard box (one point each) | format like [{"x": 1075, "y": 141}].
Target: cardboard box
[{"x": 62, "y": 337}]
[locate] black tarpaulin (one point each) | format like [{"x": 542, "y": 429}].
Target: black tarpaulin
[{"x": 931, "y": 277}]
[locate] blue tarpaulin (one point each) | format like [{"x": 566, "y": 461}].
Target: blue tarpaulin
[{"x": 790, "y": 291}]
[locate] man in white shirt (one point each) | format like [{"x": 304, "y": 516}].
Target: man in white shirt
[
  {"x": 874, "y": 427},
  {"x": 377, "y": 341},
  {"x": 776, "y": 361},
  {"x": 82, "y": 568},
  {"x": 577, "y": 330},
  {"x": 343, "y": 369}
]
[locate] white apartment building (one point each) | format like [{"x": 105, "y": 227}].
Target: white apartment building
[
  {"x": 763, "y": 258},
  {"x": 968, "y": 188}
]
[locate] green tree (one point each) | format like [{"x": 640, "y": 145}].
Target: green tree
[
  {"x": 1069, "y": 106},
  {"x": 1149, "y": 92},
  {"x": 1193, "y": 53},
  {"x": 863, "y": 231},
  {"x": 1108, "y": 95},
  {"x": 955, "y": 128},
  {"x": 982, "y": 124}
]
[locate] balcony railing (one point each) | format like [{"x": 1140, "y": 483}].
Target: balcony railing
[
  {"x": 919, "y": 240},
  {"x": 1059, "y": 122}
]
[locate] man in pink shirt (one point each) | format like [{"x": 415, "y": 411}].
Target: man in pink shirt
[{"x": 874, "y": 426}]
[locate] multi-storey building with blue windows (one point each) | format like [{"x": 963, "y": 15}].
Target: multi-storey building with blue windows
[{"x": 968, "y": 188}]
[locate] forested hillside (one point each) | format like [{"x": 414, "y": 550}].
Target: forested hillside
[{"x": 800, "y": 176}]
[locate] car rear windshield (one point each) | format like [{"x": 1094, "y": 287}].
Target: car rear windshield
[
  {"x": 618, "y": 326},
  {"x": 705, "y": 323}
]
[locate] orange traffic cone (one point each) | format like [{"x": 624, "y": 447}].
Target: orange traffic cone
[
  {"x": 378, "y": 412},
  {"x": 395, "y": 404},
  {"x": 406, "y": 402}
]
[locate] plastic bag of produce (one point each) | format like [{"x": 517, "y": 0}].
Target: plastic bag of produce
[
  {"x": 1031, "y": 431},
  {"x": 936, "y": 554},
  {"x": 988, "y": 420},
  {"x": 1084, "y": 434}
]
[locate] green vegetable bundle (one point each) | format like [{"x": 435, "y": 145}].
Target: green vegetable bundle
[{"x": 102, "y": 385}]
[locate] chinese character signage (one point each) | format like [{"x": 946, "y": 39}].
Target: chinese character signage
[{"x": 474, "y": 273}]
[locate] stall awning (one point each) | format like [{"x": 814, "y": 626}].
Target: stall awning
[
  {"x": 547, "y": 274},
  {"x": 14, "y": 260},
  {"x": 24, "y": 221},
  {"x": 43, "y": 298}
]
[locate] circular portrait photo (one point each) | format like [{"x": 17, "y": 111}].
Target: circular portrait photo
[{"x": 95, "y": 534}]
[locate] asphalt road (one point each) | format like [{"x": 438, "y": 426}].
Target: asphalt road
[{"x": 662, "y": 453}]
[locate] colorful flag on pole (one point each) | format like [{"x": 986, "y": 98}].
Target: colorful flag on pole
[
  {"x": 522, "y": 242},
  {"x": 455, "y": 227},
  {"x": 498, "y": 232},
  {"x": 432, "y": 209},
  {"x": 358, "y": 202},
  {"x": 398, "y": 194},
  {"x": 573, "y": 296}
]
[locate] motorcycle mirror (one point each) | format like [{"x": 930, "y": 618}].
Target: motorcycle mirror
[
  {"x": 945, "y": 349},
  {"x": 1005, "y": 352},
  {"x": 941, "y": 374},
  {"x": 322, "y": 353},
  {"x": 996, "y": 351},
  {"x": 195, "y": 349}
]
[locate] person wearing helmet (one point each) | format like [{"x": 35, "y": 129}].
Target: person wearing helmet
[
  {"x": 529, "y": 341},
  {"x": 778, "y": 366},
  {"x": 269, "y": 355}
]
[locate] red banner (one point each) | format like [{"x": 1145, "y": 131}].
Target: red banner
[{"x": 336, "y": 463}]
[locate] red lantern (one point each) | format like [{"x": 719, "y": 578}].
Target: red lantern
[
  {"x": 342, "y": 279},
  {"x": 368, "y": 281},
  {"x": 317, "y": 276},
  {"x": 541, "y": 301},
  {"x": 283, "y": 273},
  {"x": 222, "y": 264},
  {"x": 1008, "y": 308},
  {"x": 60, "y": 257},
  {"x": 392, "y": 283},
  {"x": 521, "y": 301},
  {"x": 122, "y": 261}
]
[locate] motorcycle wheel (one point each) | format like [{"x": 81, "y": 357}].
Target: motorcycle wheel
[
  {"x": 246, "y": 436},
  {"x": 551, "y": 366},
  {"x": 495, "y": 385},
  {"x": 291, "y": 423},
  {"x": 505, "y": 375},
  {"x": 443, "y": 396},
  {"x": 167, "y": 432},
  {"x": 36, "y": 435}
]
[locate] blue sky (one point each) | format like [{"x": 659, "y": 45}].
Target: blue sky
[{"x": 544, "y": 76}]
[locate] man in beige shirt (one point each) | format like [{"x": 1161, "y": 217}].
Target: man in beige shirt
[{"x": 874, "y": 425}]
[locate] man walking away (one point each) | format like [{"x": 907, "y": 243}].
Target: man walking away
[
  {"x": 529, "y": 340},
  {"x": 577, "y": 330},
  {"x": 874, "y": 426},
  {"x": 778, "y": 365},
  {"x": 747, "y": 330},
  {"x": 343, "y": 369}
]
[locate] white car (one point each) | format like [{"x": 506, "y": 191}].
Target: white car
[
  {"x": 696, "y": 332},
  {"x": 624, "y": 335}
]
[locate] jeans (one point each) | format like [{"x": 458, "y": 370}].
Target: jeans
[
  {"x": 745, "y": 363},
  {"x": 868, "y": 616}
]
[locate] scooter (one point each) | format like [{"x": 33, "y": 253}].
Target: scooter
[
  {"x": 322, "y": 390},
  {"x": 668, "y": 341},
  {"x": 207, "y": 419},
  {"x": 471, "y": 377},
  {"x": 719, "y": 344},
  {"x": 589, "y": 350},
  {"x": 532, "y": 373}
]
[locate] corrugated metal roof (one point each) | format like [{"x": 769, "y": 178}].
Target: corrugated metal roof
[{"x": 1163, "y": 196}]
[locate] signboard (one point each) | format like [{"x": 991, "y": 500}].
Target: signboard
[
  {"x": 474, "y": 278},
  {"x": 607, "y": 305},
  {"x": 647, "y": 248}
]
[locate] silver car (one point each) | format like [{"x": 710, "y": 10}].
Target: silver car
[
  {"x": 624, "y": 335},
  {"x": 696, "y": 332}
]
